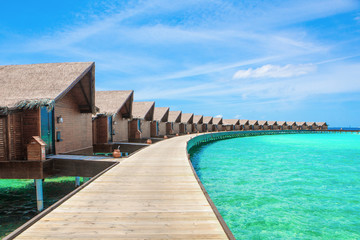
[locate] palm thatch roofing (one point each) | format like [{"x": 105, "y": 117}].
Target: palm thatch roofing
[
  {"x": 320, "y": 124},
  {"x": 187, "y": 118},
  {"x": 262, "y": 123},
  {"x": 217, "y": 121},
  {"x": 36, "y": 85},
  {"x": 290, "y": 123},
  {"x": 174, "y": 116},
  {"x": 231, "y": 121},
  {"x": 198, "y": 119},
  {"x": 310, "y": 123},
  {"x": 161, "y": 114},
  {"x": 243, "y": 122},
  {"x": 253, "y": 122},
  {"x": 300, "y": 123},
  {"x": 114, "y": 102},
  {"x": 143, "y": 110},
  {"x": 208, "y": 120},
  {"x": 281, "y": 123},
  {"x": 271, "y": 123}
]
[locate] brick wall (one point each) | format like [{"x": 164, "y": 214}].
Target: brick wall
[
  {"x": 100, "y": 130},
  {"x": 76, "y": 130}
]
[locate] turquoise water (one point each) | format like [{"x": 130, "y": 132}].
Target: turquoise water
[
  {"x": 303, "y": 186},
  {"x": 18, "y": 199}
]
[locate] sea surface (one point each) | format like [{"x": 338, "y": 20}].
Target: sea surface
[
  {"x": 298, "y": 186},
  {"x": 18, "y": 199}
]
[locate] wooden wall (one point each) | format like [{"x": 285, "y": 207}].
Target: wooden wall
[
  {"x": 153, "y": 132},
  {"x": 100, "y": 130},
  {"x": 76, "y": 129},
  {"x": 145, "y": 129},
  {"x": 3, "y": 139}
]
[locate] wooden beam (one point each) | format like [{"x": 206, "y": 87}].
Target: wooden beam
[{"x": 86, "y": 98}]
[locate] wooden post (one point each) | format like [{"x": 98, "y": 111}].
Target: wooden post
[
  {"x": 77, "y": 181},
  {"x": 39, "y": 194}
]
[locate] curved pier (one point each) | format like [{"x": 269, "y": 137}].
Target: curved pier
[{"x": 153, "y": 194}]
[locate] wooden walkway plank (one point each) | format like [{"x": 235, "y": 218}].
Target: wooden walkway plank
[{"x": 153, "y": 194}]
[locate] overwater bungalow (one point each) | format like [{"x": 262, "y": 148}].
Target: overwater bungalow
[
  {"x": 282, "y": 125},
  {"x": 310, "y": 125},
  {"x": 321, "y": 126},
  {"x": 198, "y": 125},
  {"x": 231, "y": 124},
  {"x": 254, "y": 125},
  {"x": 244, "y": 124},
  {"x": 111, "y": 123},
  {"x": 186, "y": 123},
  {"x": 291, "y": 126},
  {"x": 217, "y": 124},
  {"x": 263, "y": 125},
  {"x": 160, "y": 126},
  {"x": 174, "y": 119},
  {"x": 272, "y": 125},
  {"x": 301, "y": 125},
  {"x": 140, "y": 125},
  {"x": 52, "y": 102},
  {"x": 207, "y": 124}
]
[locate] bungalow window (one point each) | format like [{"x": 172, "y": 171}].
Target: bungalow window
[{"x": 172, "y": 126}]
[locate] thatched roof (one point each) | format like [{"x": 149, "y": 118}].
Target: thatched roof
[
  {"x": 271, "y": 123},
  {"x": 321, "y": 124},
  {"x": 310, "y": 123},
  {"x": 231, "y": 121},
  {"x": 143, "y": 110},
  {"x": 262, "y": 123},
  {"x": 243, "y": 121},
  {"x": 161, "y": 114},
  {"x": 253, "y": 122},
  {"x": 198, "y": 119},
  {"x": 174, "y": 116},
  {"x": 36, "y": 85},
  {"x": 281, "y": 123},
  {"x": 217, "y": 120},
  {"x": 114, "y": 102},
  {"x": 187, "y": 117},
  {"x": 290, "y": 123},
  {"x": 208, "y": 120},
  {"x": 300, "y": 123}
]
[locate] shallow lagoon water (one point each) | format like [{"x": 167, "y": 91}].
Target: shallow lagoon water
[
  {"x": 18, "y": 199},
  {"x": 300, "y": 186}
]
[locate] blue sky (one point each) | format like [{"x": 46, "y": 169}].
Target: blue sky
[{"x": 271, "y": 60}]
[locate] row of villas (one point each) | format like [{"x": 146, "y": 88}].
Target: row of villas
[{"x": 58, "y": 102}]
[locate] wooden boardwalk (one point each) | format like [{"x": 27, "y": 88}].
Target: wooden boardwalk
[{"x": 150, "y": 195}]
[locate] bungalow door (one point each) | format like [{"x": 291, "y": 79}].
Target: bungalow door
[{"x": 47, "y": 129}]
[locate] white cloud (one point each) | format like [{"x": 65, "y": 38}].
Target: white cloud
[
  {"x": 219, "y": 116},
  {"x": 274, "y": 71}
]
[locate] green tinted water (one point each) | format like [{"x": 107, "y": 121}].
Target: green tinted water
[
  {"x": 18, "y": 199},
  {"x": 285, "y": 186}
]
